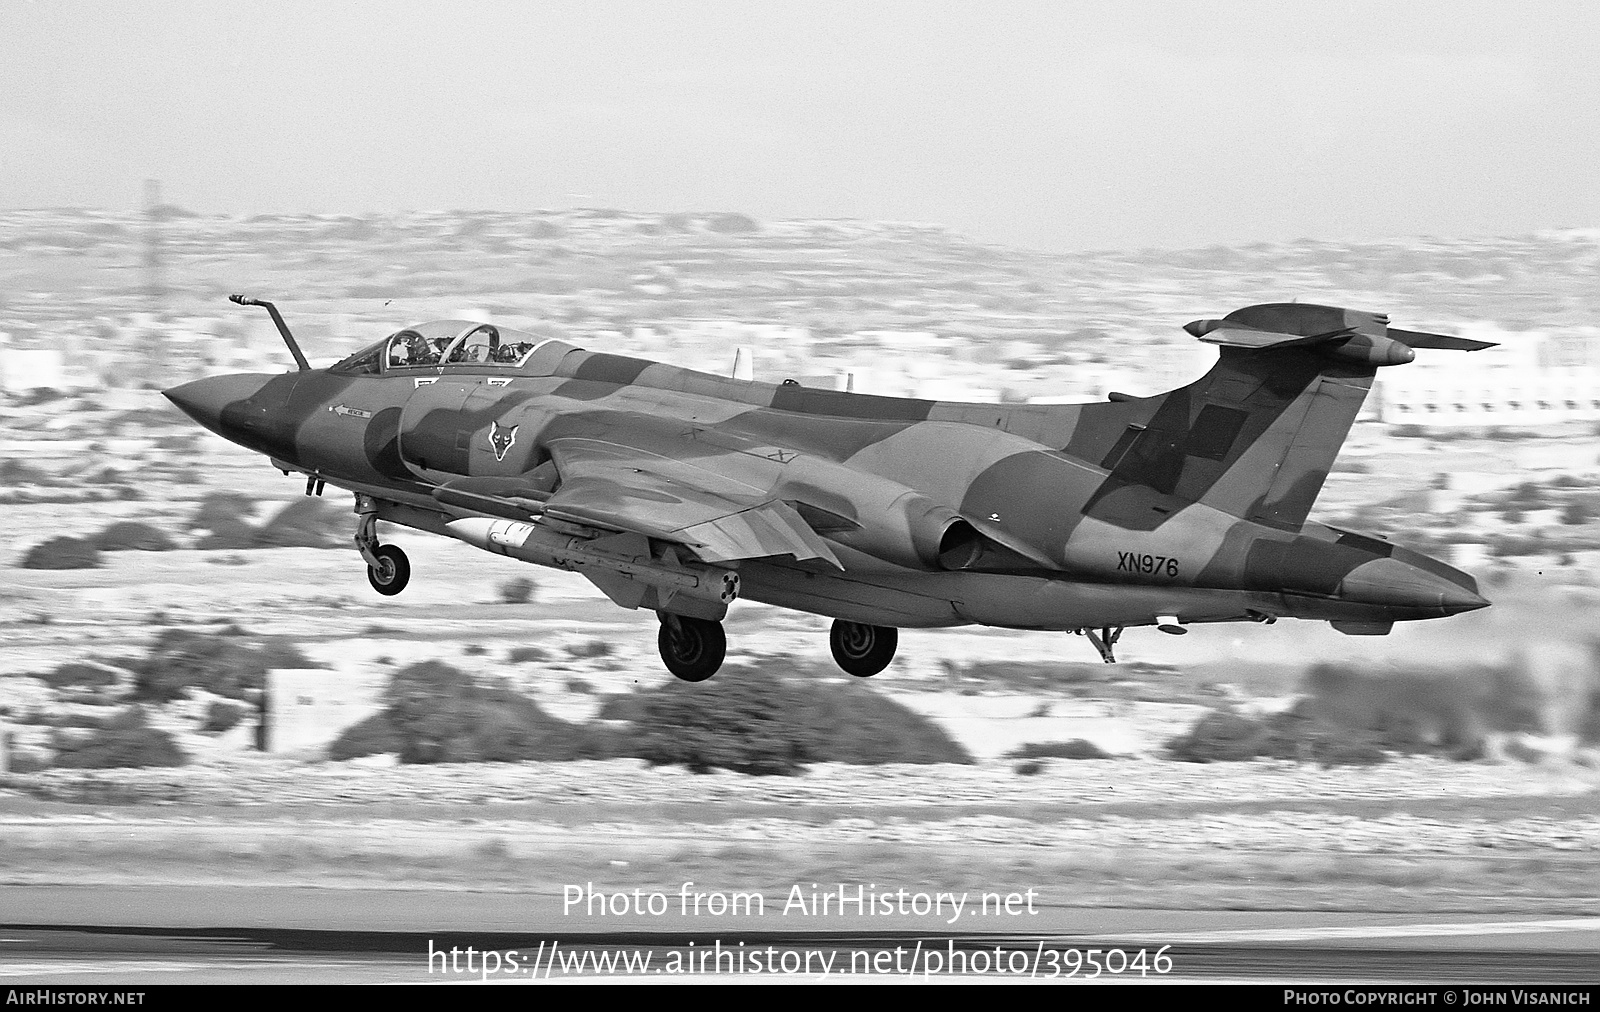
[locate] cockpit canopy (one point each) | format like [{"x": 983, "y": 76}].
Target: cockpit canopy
[{"x": 441, "y": 343}]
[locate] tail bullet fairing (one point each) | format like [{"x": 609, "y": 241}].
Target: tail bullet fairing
[{"x": 680, "y": 491}]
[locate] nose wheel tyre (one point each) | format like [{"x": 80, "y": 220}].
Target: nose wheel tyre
[
  {"x": 691, "y": 648},
  {"x": 863, "y": 650},
  {"x": 393, "y": 571}
]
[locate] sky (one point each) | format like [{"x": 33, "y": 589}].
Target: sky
[{"x": 1054, "y": 126}]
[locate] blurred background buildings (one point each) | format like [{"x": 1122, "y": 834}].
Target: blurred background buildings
[{"x": 96, "y": 300}]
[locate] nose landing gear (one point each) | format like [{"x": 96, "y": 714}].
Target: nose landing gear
[
  {"x": 388, "y": 569},
  {"x": 392, "y": 571}
]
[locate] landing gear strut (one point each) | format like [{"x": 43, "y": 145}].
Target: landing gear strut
[
  {"x": 1104, "y": 641},
  {"x": 863, "y": 650},
  {"x": 388, "y": 569},
  {"x": 691, "y": 648}
]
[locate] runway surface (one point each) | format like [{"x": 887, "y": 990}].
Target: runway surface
[{"x": 132, "y": 936}]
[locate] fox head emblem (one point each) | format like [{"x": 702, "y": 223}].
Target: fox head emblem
[{"x": 501, "y": 440}]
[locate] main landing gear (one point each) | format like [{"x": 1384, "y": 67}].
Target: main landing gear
[
  {"x": 862, "y": 650},
  {"x": 691, "y": 648},
  {"x": 388, "y": 569}
]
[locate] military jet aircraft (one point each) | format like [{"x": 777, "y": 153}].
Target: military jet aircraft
[{"x": 680, "y": 491}]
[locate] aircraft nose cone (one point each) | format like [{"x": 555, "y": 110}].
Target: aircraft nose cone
[
  {"x": 204, "y": 399},
  {"x": 1400, "y": 585}
]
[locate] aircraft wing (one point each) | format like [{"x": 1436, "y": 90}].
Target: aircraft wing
[{"x": 720, "y": 518}]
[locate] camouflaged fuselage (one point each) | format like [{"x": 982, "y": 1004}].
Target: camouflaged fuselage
[{"x": 887, "y": 511}]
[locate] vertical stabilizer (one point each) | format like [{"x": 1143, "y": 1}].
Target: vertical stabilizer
[{"x": 1257, "y": 435}]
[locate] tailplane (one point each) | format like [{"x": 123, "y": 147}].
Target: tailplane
[{"x": 1256, "y": 436}]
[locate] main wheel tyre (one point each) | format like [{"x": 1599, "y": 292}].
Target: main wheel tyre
[
  {"x": 863, "y": 650},
  {"x": 692, "y": 648},
  {"x": 393, "y": 571}
]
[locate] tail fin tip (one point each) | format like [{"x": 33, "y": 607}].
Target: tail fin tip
[{"x": 1346, "y": 333}]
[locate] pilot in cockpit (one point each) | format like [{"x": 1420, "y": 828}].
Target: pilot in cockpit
[{"x": 413, "y": 349}]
